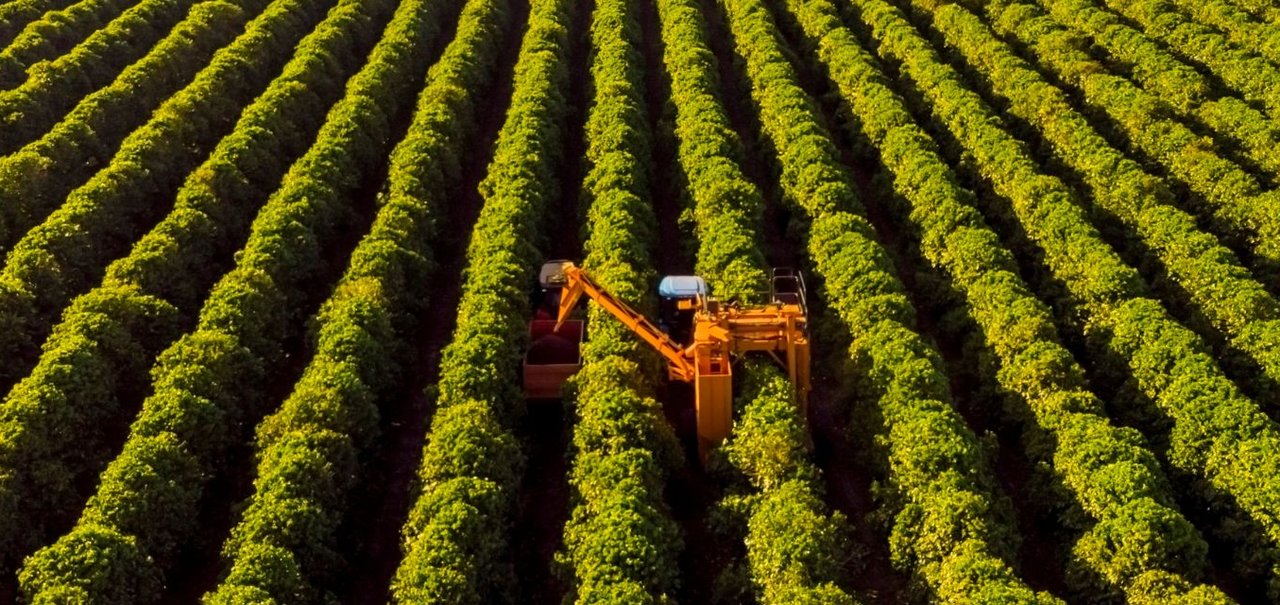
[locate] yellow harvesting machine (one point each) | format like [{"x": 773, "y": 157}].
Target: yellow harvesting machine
[{"x": 699, "y": 337}]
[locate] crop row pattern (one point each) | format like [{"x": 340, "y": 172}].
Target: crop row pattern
[
  {"x": 1217, "y": 432},
  {"x": 455, "y": 540},
  {"x": 1237, "y": 306},
  {"x": 147, "y": 503},
  {"x": 794, "y": 547},
  {"x": 97, "y": 356},
  {"x": 37, "y": 179},
  {"x": 286, "y": 545},
  {"x": 620, "y": 542},
  {"x": 1173, "y": 80},
  {"x": 1242, "y": 70},
  {"x": 57, "y": 31},
  {"x": 37, "y": 100},
  {"x": 946, "y": 529},
  {"x": 18, "y": 14},
  {"x": 1070, "y": 431},
  {"x": 64, "y": 253}
]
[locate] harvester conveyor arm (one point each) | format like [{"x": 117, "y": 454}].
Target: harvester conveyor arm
[{"x": 578, "y": 283}]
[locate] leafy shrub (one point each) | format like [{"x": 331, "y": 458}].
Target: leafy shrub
[
  {"x": 957, "y": 546},
  {"x": 1113, "y": 477},
  {"x": 162, "y": 281},
  {"x": 455, "y": 541},
  {"x": 247, "y": 317},
  {"x": 286, "y": 543}
]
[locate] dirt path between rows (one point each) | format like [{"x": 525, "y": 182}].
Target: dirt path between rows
[{"x": 543, "y": 501}]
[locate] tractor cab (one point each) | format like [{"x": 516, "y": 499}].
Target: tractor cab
[
  {"x": 551, "y": 281},
  {"x": 553, "y": 355},
  {"x": 677, "y": 298}
]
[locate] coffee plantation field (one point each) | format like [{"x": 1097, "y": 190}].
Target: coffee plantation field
[{"x": 268, "y": 271}]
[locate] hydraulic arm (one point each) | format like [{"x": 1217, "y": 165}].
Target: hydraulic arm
[{"x": 578, "y": 284}]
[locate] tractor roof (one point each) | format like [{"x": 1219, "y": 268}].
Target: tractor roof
[{"x": 682, "y": 286}]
